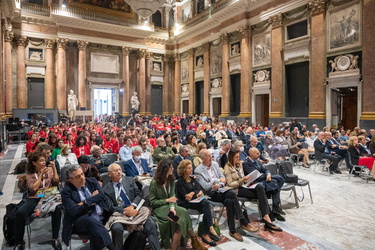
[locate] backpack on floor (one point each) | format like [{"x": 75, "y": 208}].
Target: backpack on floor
[
  {"x": 135, "y": 240},
  {"x": 8, "y": 223}
]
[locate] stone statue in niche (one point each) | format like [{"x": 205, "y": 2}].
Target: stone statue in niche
[
  {"x": 200, "y": 62},
  {"x": 344, "y": 62},
  {"x": 36, "y": 55},
  {"x": 235, "y": 49},
  {"x": 135, "y": 103},
  {"x": 354, "y": 61},
  {"x": 72, "y": 104},
  {"x": 156, "y": 66}
]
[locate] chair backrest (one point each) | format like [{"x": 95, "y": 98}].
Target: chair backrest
[
  {"x": 64, "y": 174},
  {"x": 105, "y": 178},
  {"x": 272, "y": 168},
  {"x": 285, "y": 167},
  {"x": 112, "y": 157}
]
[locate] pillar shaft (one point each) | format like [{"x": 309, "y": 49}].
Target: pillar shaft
[
  {"x": 142, "y": 81},
  {"x": 206, "y": 79},
  {"x": 191, "y": 82},
  {"x": 82, "y": 95},
  {"x": 245, "y": 106},
  {"x": 2, "y": 93},
  {"x": 21, "y": 73},
  {"x": 125, "y": 78},
  {"x": 8, "y": 39},
  {"x": 225, "y": 100},
  {"x": 49, "y": 85},
  {"x": 166, "y": 87},
  {"x": 148, "y": 83},
  {"x": 277, "y": 67},
  {"x": 177, "y": 84},
  {"x": 61, "y": 74}
]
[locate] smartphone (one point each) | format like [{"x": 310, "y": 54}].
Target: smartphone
[{"x": 173, "y": 217}]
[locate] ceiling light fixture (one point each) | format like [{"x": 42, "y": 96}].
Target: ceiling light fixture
[{"x": 145, "y": 8}]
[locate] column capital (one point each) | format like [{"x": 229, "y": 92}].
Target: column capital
[
  {"x": 62, "y": 42},
  {"x": 8, "y": 36},
  {"x": 82, "y": 45},
  {"x": 50, "y": 43},
  {"x": 317, "y": 6},
  {"x": 244, "y": 31},
  {"x": 149, "y": 55},
  {"x": 276, "y": 21},
  {"x": 167, "y": 57},
  {"x": 141, "y": 53},
  {"x": 206, "y": 47},
  {"x": 191, "y": 52},
  {"x": 225, "y": 38},
  {"x": 22, "y": 41},
  {"x": 177, "y": 57},
  {"x": 126, "y": 50}
]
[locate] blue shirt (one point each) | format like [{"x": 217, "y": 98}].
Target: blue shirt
[{"x": 125, "y": 153}]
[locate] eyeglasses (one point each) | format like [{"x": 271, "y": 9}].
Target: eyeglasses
[{"x": 116, "y": 170}]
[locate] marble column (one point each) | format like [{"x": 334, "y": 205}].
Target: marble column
[
  {"x": 177, "y": 84},
  {"x": 21, "y": 73},
  {"x": 245, "y": 104},
  {"x": 2, "y": 93},
  {"x": 82, "y": 96},
  {"x": 191, "y": 82},
  {"x": 142, "y": 81},
  {"x": 167, "y": 97},
  {"x": 126, "y": 81},
  {"x": 8, "y": 40},
  {"x": 49, "y": 85},
  {"x": 277, "y": 82},
  {"x": 206, "y": 78},
  {"x": 317, "y": 60},
  {"x": 225, "y": 93},
  {"x": 368, "y": 65},
  {"x": 61, "y": 93},
  {"x": 149, "y": 56}
]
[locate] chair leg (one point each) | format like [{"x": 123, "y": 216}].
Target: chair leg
[
  {"x": 295, "y": 196},
  {"x": 28, "y": 229},
  {"x": 310, "y": 193}
]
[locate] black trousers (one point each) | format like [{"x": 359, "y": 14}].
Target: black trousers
[
  {"x": 257, "y": 193},
  {"x": 335, "y": 161},
  {"x": 149, "y": 228},
  {"x": 230, "y": 200},
  {"x": 25, "y": 211},
  {"x": 204, "y": 207}
]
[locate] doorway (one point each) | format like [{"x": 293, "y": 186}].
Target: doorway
[
  {"x": 344, "y": 108},
  {"x": 216, "y": 106},
  {"x": 262, "y": 109},
  {"x": 35, "y": 93},
  {"x": 185, "y": 106},
  {"x": 105, "y": 101},
  {"x": 235, "y": 94},
  {"x": 156, "y": 99},
  {"x": 199, "y": 97}
]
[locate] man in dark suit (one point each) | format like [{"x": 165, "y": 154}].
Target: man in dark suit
[
  {"x": 119, "y": 187},
  {"x": 253, "y": 144},
  {"x": 184, "y": 155},
  {"x": 100, "y": 161},
  {"x": 320, "y": 154},
  {"x": 85, "y": 209},
  {"x": 272, "y": 183},
  {"x": 334, "y": 145},
  {"x": 137, "y": 165}
]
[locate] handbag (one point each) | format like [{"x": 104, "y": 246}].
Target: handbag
[{"x": 291, "y": 178}]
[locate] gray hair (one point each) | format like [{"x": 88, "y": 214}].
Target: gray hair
[
  {"x": 182, "y": 148},
  {"x": 71, "y": 169},
  {"x": 252, "y": 138},
  {"x": 137, "y": 149},
  {"x": 321, "y": 133},
  {"x": 236, "y": 144},
  {"x": 93, "y": 148},
  {"x": 225, "y": 142},
  {"x": 159, "y": 139},
  {"x": 203, "y": 133}
]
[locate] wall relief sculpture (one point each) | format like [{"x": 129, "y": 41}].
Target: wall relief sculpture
[
  {"x": 185, "y": 88},
  {"x": 344, "y": 62},
  {"x": 216, "y": 60},
  {"x": 216, "y": 83},
  {"x": 262, "y": 76},
  {"x": 262, "y": 49},
  {"x": 184, "y": 70}
]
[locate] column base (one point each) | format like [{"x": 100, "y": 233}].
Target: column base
[
  {"x": 245, "y": 114},
  {"x": 276, "y": 115},
  {"x": 167, "y": 113},
  {"x": 317, "y": 115},
  {"x": 367, "y": 116},
  {"x": 125, "y": 114},
  {"x": 224, "y": 114}
]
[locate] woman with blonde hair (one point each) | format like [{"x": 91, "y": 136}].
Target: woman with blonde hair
[
  {"x": 357, "y": 158},
  {"x": 66, "y": 157}
]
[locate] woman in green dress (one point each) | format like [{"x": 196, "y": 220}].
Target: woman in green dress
[{"x": 163, "y": 201}]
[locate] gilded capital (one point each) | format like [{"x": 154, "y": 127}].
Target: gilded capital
[
  {"x": 8, "y": 36},
  {"x": 149, "y": 55},
  {"x": 177, "y": 57},
  {"x": 206, "y": 47},
  {"x": 49, "y": 43},
  {"x": 22, "y": 41},
  {"x": 244, "y": 31},
  {"x": 142, "y": 53},
  {"x": 82, "y": 45},
  {"x": 225, "y": 38},
  {"x": 62, "y": 42},
  {"x": 317, "y": 6},
  {"x": 167, "y": 57},
  {"x": 126, "y": 50},
  {"x": 276, "y": 20},
  {"x": 191, "y": 52}
]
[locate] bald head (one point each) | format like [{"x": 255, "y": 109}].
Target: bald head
[
  {"x": 206, "y": 157},
  {"x": 254, "y": 154},
  {"x": 115, "y": 172}
]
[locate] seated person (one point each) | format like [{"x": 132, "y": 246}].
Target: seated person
[
  {"x": 123, "y": 196},
  {"x": 109, "y": 144},
  {"x": 137, "y": 166},
  {"x": 187, "y": 189},
  {"x": 211, "y": 179},
  {"x": 88, "y": 169},
  {"x": 221, "y": 154},
  {"x": 321, "y": 153},
  {"x": 81, "y": 146},
  {"x": 126, "y": 150},
  {"x": 46, "y": 150},
  {"x": 357, "y": 158},
  {"x": 146, "y": 152},
  {"x": 163, "y": 201},
  {"x": 66, "y": 157},
  {"x": 184, "y": 155},
  {"x": 100, "y": 161},
  {"x": 334, "y": 145},
  {"x": 39, "y": 177},
  {"x": 295, "y": 147},
  {"x": 85, "y": 209},
  {"x": 162, "y": 151},
  {"x": 235, "y": 176},
  {"x": 362, "y": 144},
  {"x": 253, "y": 144},
  {"x": 272, "y": 184}
]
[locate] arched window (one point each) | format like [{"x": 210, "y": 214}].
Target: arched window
[{"x": 156, "y": 19}]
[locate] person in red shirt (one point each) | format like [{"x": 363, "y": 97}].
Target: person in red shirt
[
  {"x": 152, "y": 139},
  {"x": 119, "y": 143},
  {"x": 30, "y": 145},
  {"x": 70, "y": 140},
  {"x": 109, "y": 144},
  {"x": 81, "y": 147},
  {"x": 43, "y": 132},
  {"x": 31, "y": 132}
]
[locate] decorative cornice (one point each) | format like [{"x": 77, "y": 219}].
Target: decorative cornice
[
  {"x": 126, "y": 50},
  {"x": 141, "y": 53},
  {"x": 62, "y": 42},
  {"x": 224, "y": 38},
  {"x": 317, "y": 6},
  {"x": 49, "y": 43},
  {"x": 8, "y": 36},
  {"x": 22, "y": 41},
  {"x": 82, "y": 45},
  {"x": 276, "y": 21},
  {"x": 244, "y": 31}
]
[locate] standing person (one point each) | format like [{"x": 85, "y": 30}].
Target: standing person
[
  {"x": 187, "y": 189},
  {"x": 211, "y": 179},
  {"x": 163, "y": 201},
  {"x": 39, "y": 178}
]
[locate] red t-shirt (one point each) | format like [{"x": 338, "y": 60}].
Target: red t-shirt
[{"x": 83, "y": 150}]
